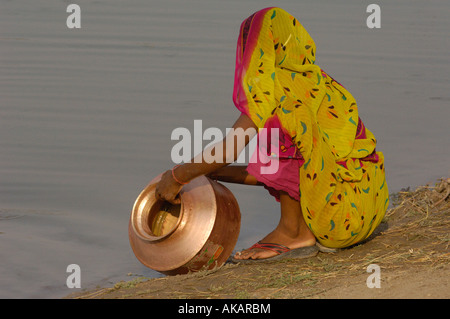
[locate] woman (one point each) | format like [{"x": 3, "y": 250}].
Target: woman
[{"x": 330, "y": 180}]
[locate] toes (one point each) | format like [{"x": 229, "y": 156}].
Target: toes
[
  {"x": 252, "y": 254},
  {"x": 260, "y": 254},
  {"x": 244, "y": 254}
]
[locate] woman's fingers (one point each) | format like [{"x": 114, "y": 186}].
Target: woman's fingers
[
  {"x": 167, "y": 189},
  {"x": 171, "y": 198},
  {"x": 176, "y": 200}
]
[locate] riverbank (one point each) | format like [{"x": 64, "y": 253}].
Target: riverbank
[{"x": 410, "y": 248}]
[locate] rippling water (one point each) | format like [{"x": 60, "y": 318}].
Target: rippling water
[{"x": 86, "y": 115}]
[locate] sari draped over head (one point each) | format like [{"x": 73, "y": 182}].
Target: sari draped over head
[{"x": 342, "y": 188}]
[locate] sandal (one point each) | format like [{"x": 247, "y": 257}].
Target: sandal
[{"x": 282, "y": 252}]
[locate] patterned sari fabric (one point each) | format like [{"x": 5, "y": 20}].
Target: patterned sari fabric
[{"x": 341, "y": 188}]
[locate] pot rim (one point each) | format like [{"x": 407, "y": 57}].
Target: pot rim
[
  {"x": 142, "y": 209},
  {"x": 196, "y": 221}
]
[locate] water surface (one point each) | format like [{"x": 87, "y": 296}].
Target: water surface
[{"x": 86, "y": 115}]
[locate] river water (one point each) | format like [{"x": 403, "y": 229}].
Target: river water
[{"x": 86, "y": 115}]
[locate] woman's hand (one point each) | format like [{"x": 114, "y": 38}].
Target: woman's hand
[{"x": 168, "y": 188}]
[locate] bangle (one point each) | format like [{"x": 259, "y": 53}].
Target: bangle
[{"x": 176, "y": 179}]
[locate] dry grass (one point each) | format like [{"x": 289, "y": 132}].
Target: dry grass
[{"x": 416, "y": 239}]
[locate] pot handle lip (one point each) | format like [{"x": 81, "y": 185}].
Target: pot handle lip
[{"x": 141, "y": 210}]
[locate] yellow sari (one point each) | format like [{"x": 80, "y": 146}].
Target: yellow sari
[{"x": 342, "y": 187}]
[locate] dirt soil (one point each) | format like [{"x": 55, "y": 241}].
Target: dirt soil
[{"x": 410, "y": 247}]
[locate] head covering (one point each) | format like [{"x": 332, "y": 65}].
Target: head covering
[{"x": 276, "y": 75}]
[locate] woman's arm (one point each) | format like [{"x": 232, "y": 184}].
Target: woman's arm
[
  {"x": 169, "y": 187},
  {"x": 234, "y": 174}
]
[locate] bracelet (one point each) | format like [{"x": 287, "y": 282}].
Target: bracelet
[{"x": 176, "y": 179}]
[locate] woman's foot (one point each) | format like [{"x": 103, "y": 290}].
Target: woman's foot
[
  {"x": 291, "y": 231},
  {"x": 278, "y": 236}
]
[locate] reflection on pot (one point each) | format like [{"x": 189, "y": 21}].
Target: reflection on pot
[{"x": 200, "y": 233}]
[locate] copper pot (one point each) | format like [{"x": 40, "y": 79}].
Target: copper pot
[{"x": 198, "y": 234}]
